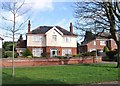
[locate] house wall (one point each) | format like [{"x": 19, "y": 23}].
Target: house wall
[
  {"x": 0, "y": 43},
  {"x": 60, "y": 39},
  {"x": 47, "y": 39},
  {"x": 96, "y": 44},
  {"x": 31, "y": 42},
  {"x": 91, "y": 46},
  {"x": 48, "y": 48},
  {"x": 113, "y": 44}
]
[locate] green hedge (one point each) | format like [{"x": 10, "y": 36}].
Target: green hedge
[
  {"x": 89, "y": 54},
  {"x": 7, "y": 54},
  {"x": 27, "y": 53}
]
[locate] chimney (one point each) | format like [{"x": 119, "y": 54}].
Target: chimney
[
  {"x": 71, "y": 27},
  {"x": 29, "y": 26}
]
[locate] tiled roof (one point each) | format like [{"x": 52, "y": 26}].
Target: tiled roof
[
  {"x": 44, "y": 29},
  {"x": 99, "y": 36},
  {"x": 21, "y": 44}
]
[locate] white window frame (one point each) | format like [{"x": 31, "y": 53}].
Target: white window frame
[
  {"x": 102, "y": 42},
  {"x": 66, "y": 51},
  {"x": 37, "y": 52},
  {"x": 36, "y": 38},
  {"x": 95, "y": 42},
  {"x": 54, "y": 38},
  {"x": 66, "y": 39}
]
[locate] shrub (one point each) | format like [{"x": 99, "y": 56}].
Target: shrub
[
  {"x": 47, "y": 54},
  {"x": 59, "y": 57},
  {"x": 9, "y": 54},
  {"x": 77, "y": 55},
  {"x": 89, "y": 54},
  {"x": 111, "y": 55},
  {"x": 105, "y": 49},
  {"x": 27, "y": 53}
]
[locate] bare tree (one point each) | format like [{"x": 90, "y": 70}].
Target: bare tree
[
  {"x": 11, "y": 24},
  {"x": 100, "y": 16}
]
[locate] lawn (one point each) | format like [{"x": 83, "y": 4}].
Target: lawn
[{"x": 65, "y": 74}]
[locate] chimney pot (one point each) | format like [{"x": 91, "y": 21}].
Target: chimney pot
[
  {"x": 29, "y": 26},
  {"x": 71, "y": 27}
]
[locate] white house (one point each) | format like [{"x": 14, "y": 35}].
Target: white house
[{"x": 52, "y": 40}]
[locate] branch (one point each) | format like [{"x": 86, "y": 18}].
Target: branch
[{"x": 22, "y": 25}]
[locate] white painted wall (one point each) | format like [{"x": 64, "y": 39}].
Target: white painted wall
[
  {"x": 48, "y": 40},
  {"x": 32, "y": 42},
  {"x": 60, "y": 40},
  {"x": 0, "y": 43}
]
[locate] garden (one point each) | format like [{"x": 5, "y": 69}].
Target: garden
[{"x": 62, "y": 74}]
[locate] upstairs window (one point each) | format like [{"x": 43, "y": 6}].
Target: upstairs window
[
  {"x": 66, "y": 39},
  {"x": 54, "y": 38},
  {"x": 102, "y": 42},
  {"x": 37, "y": 38},
  {"x": 95, "y": 42}
]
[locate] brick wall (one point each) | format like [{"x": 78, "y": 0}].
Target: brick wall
[{"x": 40, "y": 62}]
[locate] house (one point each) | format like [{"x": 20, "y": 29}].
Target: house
[
  {"x": 49, "y": 40},
  {"x": 91, "y": 44},
  {"x": 21, "y": 45},
  {"x": 1, "y": 40}
]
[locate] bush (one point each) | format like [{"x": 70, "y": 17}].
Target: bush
[
  {"x": 112, "y": 55},
  {"x": 27, "y": 53},
  {"x": 77, "y": 55},
  {"x": 47, "y": 54},
  {"x": 59, "y": 57},
  {"x": 89, "y": 54},
  {"x": 9, "y": 54}
]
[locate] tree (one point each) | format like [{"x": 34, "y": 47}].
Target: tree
[
  {"x": 105, "y": 49},
  {"x": 99, "y": 16},
  {"x": 16, "y": 10},
  {"x": 27, "y": 53}
]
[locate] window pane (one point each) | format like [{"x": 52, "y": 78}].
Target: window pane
[
  {"x": 54, "y": 38},
  {"x": 37, "y": 52},
  {"x": 102, "y": 42}
]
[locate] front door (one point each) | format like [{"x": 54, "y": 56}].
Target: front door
[{"x": 53, "y": 52}]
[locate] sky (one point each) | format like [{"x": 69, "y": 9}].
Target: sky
[{"x": 44, "y": 13}]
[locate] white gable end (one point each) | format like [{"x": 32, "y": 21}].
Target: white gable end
[{"x": 54, "y": 29}]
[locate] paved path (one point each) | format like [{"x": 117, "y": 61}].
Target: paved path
[
  {"x": 109, "y": 62},
  {"x": 112, "y": 83}
]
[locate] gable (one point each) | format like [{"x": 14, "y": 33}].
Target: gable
[{"x": 54, "y": 30}]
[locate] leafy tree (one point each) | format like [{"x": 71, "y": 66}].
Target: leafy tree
[
  {"x": 105, "y": 49},
  {"x": 7, "y": 46}
]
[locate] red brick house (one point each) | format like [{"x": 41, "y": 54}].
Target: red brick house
[
  {"x": 52, "y": 40},
  {"x": 97, "y": 43}
]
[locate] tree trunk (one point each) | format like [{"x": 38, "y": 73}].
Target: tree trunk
[
  {"x": 118, "y": 58},
  {"x": 13, "y": 58},
  {"x": 13, "y": 48}
]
